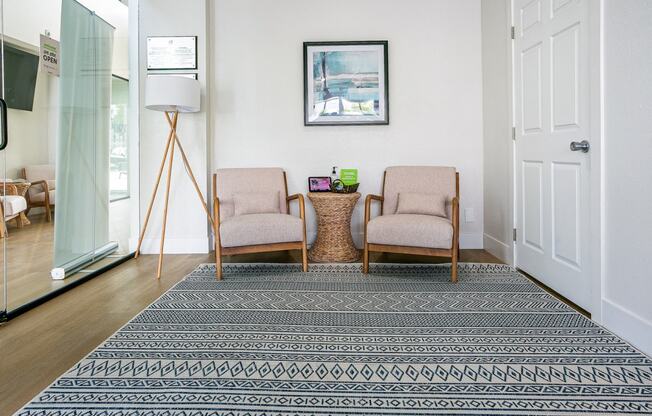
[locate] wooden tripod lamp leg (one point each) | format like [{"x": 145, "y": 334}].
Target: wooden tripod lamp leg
[
  {"x": 190, "y": 173},
  {"x": 170, "y": 138},
  {"x": 165, "y": 209}
]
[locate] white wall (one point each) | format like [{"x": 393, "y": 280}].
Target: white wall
[
  {"x": 627, "y": 284},
  {"x": 187, "y": 226},
  {"x": 435, "y": 93},
  {"x": 498, "y": 144}
]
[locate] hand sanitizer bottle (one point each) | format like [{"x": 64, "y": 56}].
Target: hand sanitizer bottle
[{"x": 334, "y": 174}]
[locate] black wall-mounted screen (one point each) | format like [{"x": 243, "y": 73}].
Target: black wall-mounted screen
[{"x": 20, "y": 70}]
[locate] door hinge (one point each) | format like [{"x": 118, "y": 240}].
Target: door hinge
[
  {"x": 513, "y": 133},
  {"x": 513, "y": 32},
  {"x": 514, "y": 236}
]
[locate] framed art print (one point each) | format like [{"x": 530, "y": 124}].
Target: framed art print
[{"x": 345, "y": 83}]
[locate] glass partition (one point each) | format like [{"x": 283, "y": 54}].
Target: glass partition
[
  {"x": 119, "y": 140},
  {"x": 64, "y": 178}
]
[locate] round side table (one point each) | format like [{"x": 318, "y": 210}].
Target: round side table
[{"x": 334, "y": 243}]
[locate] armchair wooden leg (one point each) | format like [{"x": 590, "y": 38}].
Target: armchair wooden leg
[
  {"x": 454, "y": 265},
  {"x": 48, "y": 213},
  {"x": 304, "y": 256},
  {"x": 218, "y": 260},
  {"x": 365, "y": 259},
  {"x": 218, "y": 265}
]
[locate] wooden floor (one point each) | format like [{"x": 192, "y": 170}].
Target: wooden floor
[
  {"x": 30, "y": 255},
  {"x": 42, "y": 344}
]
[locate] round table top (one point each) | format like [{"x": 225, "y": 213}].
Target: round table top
[{"x": 325, "y": 195}]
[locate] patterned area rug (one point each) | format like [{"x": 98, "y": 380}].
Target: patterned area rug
[{"x": 270, "y": 340}]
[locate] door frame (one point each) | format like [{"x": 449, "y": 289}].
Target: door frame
[{"x": 597, "y": 203}]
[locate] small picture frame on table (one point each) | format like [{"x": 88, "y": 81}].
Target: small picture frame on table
[{"x": 319, "y": 184}]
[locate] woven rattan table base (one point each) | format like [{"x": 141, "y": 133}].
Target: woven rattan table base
[{"x": 334, "y": 243}]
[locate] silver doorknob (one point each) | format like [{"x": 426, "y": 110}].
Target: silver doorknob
[{"x": 582, "y": 146}]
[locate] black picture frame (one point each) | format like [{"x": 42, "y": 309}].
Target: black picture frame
[
  {"x": 348, "y": 122},
  {"x": 310, "y": 183}
]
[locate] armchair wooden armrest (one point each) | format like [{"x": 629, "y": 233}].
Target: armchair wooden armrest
[
  {"x": 302, "y": 204},
  {"x": 367, "y": 208},
  {"x": 456, "y": 216},
  {"x": 46, "y": 189},
  {"x": 367, "y": 216},
  {"x": 43, "y": 183},
  {"x": 216, "y": 211},
  {"x": 302, "y": 215}
]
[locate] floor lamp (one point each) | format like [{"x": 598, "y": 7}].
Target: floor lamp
[{"x": 172, "y": 95}]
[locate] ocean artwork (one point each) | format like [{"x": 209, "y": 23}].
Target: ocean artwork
[{"x": 346, "y": 83}]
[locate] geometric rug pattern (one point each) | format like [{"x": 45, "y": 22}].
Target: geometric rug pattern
[{"x": 272, "y": 340}]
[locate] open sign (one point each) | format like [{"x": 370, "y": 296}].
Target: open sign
[
  {"x": 51, "y": 59},
  {"x": 50, "y": 55}
]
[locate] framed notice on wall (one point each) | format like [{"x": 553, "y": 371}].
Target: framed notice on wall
[{"x": 172, "y": 52}]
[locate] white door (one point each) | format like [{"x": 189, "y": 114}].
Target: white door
[{"x": 552, "y": 98}]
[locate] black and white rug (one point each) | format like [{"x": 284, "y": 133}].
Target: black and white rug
[{"x": 271, "y": 340}]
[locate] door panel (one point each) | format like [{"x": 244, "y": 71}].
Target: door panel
[
  {"x": 530, "y": 15},
  {"x": 558, "y": 4},
  {"x": 552, "y": 101},
  {"x": 566, "y": 219},
  {"x": 533, "y": 204},
  {"x": 565, "y": 78},
  {"x": 531, "y": 89}
]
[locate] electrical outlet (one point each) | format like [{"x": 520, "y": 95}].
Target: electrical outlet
[{"x": 469, "y": 215}]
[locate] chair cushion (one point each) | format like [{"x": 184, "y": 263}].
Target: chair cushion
[
  {"x": 411, "y": 230},
  {"x": 13, "y": 204},
  {"x": 35, "y": 173},
  {"x": 424, "y": 204},
  {"x": 256, "y": 203},
  {"x": 243, "y": 180},
  {"x": 254, "y": 229},
  {"x": 40, "y": 197},
  {"x": 437, "y": 180}
]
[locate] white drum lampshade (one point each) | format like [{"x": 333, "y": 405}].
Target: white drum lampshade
[{"x": 172, "y": 93}]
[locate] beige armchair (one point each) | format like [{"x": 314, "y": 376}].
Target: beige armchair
[
  {"x": 419, "y": 214},
  {"x": 42, "y": 191},
  {"x": 251, "y": 210}
]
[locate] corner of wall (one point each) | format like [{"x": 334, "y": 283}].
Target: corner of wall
[{"x": 498, "y": 249}]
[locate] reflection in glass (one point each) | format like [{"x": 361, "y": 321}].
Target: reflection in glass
[
  {"x": 70, "y": 159},
  {"x": 119, "y": 142}
]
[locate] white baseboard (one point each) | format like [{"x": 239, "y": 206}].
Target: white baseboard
[
  {"x": 499, "y": 249},
  {"x": 471, "y": 241},
  {"x": 172, "y": 245},
  {"x": 628, "y": 325}
]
